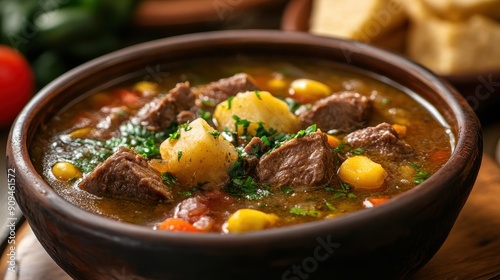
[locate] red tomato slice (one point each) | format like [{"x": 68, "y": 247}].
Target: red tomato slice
[{"x": 16, "y": 84}]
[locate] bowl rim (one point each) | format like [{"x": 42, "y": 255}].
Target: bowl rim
[{"x": 17, "y": 143}]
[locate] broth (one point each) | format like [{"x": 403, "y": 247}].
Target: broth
[{"x": 72, "y": 135}]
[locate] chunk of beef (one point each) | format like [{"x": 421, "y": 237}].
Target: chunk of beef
[
  {"x": 255, "y": 147},
  {"x": 253, "y": 150},
  {"x": 127, "y": 175},
  {"x": 160, "y": 113},
  {"x": 381, "y": 139},
  {"x": 218, "y": 91},
  {"x": 345, "y": 112},
  {"x": 306, "y": 162}
]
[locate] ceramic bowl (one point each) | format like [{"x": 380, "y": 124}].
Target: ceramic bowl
[{"x": 393, "y": 240}]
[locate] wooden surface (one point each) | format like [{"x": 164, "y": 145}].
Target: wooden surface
[{"x": 472, "y": 250}]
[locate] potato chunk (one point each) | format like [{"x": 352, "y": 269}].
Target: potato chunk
[
  {"x": 255, "y": 106},
  {"x": 362, "y": 173},
  {"x": 199, "y": 155}
]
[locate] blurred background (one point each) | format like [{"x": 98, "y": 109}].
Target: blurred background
[{"x": 41, "y": 40}]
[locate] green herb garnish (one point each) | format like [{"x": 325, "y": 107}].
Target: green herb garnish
[
  {"x": 214, "y": 133},
  {"x": 169, "y": 179},
  {"x": 421, "y": 176},
  {"x": 229, "y": 101},
  {"x": 304, "y": 212}
]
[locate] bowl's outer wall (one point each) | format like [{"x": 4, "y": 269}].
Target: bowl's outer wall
[{"x": 389, "y": 241}]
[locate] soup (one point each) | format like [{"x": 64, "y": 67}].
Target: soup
[{"x": 238, "y": 144}]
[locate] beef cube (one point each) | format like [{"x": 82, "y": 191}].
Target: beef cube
[
  {"x": 255, "y": 147},
  {"x": 306, "y": 162},
  {"x": 218, "y": 91},
  {"x": 253, "y": 150},
  {"x": 344, "y": 112},
  {"x": 160, "y": 113},
  {"x": 381, "y": 139},
  {"x": 127, "y": 175}
]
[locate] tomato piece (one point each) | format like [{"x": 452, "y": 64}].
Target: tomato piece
[
  {"x": 176, "y": 224},
  {"x": 17, "y": 83}
]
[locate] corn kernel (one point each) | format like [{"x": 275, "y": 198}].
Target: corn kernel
[
  {"x": 307, "y": 91},
  {"x": 245, "y": 220},
  {"x": 79, "y": 133},
  {"x": 65, "y": 171},
  {"x": 146, "y": 88},
  {"x": 362, "y": 172}
]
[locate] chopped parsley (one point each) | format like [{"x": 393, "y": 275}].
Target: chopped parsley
[
  {"x": 421, "y": 176},
  {"x": 179, "y": 155},
  {"x": 244, "y": 123},
  {"x": 88, "y": 153},
  {"x": 304, "y": 212},
  {"x": 292, "y": 104},
  {"x": 242, "y": 185},
  {"x": 287, "y": 190},
  {"x": 208, "y": 103},
  {"x": 358, "y": 151},
  {"x": 169, "y": 179},
  {"x": 229, "y": 101},
  {"x": 206, "y": 115},
  {"x": 257, "y": 93},
  {"x": 214, "y": 133},
  {"x": 343, "y": 192},
  {"x": 330, "y": 206},
  {"x": 177, "y": 134}
]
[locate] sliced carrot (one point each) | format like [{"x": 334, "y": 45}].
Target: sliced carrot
[
  {"x": 333, "y": 141},
  {"x": 176, "y": 224},
  {"x": 374, "y": 201},
  {"x": 439, "y": 156},
  {"x": 400, "y": 129}
]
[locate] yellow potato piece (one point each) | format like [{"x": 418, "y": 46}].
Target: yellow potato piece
[
  {"x": 363, "y": 173},
  {"x": 245, "y": 220},
  {"x": 199, "y": 155},
  {"x": 255, "y": 106}
]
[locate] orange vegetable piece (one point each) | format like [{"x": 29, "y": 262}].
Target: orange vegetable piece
[
  {"x": 333, "y": 141},
  {"x": 400, "y": 129},
  {"x": 128, "y": 98},
  {"x": 176, "y": 224},
  {"x": 439, "y": 156},
  {"x": 375, "y": 201}
]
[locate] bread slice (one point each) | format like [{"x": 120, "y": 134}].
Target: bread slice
[
  {"x": 449, "y": 47},
  {"x": 361, "y": 20},
  {"x": 458, "y": 10}
]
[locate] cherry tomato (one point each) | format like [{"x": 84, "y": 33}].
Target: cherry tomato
[{"x": 16, "y": 84}]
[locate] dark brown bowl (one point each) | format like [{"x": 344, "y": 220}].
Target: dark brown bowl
[{"x": 389, "y": 241}]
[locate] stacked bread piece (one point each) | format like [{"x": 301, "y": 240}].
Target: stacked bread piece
[{"x": 448, "y": 36}]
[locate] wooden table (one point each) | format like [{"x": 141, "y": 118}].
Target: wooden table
[{"x": 472, "y": 250}]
